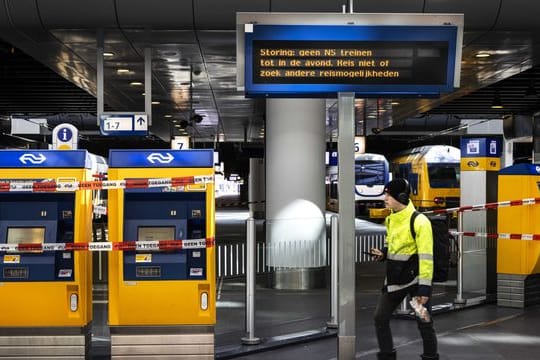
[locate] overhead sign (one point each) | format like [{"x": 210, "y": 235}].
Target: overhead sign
[
  {"x": 481, "y": 147},
  {"x": 180, "y": 143},
  {"x": 65, "y": 137},
  {"x": 43, "y": 159},
  {"x": 322, "y": 60},
  {"x": 160, "y": 158},
  {"x": 481, "y": 154},
  {"x": 113, "y": 124}
]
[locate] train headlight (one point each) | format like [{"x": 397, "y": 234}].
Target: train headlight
[{"x": 438, "y": 200}]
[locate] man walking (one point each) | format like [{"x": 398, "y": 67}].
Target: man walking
[{"x": 409, "y": 270}]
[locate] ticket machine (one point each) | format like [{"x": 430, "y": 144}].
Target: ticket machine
[
  {"x": 162, "y": 282},
  {"x": 518, "y": 256},
  {"x": 45, "y": 288}
]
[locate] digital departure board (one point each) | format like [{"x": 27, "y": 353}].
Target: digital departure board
[{"x": 317, "y": 60}]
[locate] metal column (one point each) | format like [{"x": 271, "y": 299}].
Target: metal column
[{"x": 347, "y": 310}]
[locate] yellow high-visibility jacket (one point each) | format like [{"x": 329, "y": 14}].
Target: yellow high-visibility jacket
[{"x": 409, "y": 261}]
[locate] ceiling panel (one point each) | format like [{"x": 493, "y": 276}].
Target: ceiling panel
[{"x": 194, "y": 64}]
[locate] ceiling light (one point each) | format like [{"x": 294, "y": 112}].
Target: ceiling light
[
  {"x": 122, "y": 71},
  {"x": 135, "y": 83},
  {"x": 108, "y": 54},
  {"x": 168, "y": 116},
  {"x": 155, "y": 103},
  {"x": 394, "y": 103},
  {"x": 497, "y": 103},
  {"x": 482, "y": 55}
]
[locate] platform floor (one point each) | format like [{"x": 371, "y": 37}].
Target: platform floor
[{"x": 481, "y": 332}]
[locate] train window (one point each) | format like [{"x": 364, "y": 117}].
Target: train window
[
  {"x": 443, "y": 175},
  {"x": 369, "y": 172}
]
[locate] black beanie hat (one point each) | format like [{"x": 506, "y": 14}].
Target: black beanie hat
[{"x": 399, "y": 189}]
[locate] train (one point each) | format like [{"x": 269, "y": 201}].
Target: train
[
  {"x": 433, "y": 172},
  {"x": 372, "y": 172}
]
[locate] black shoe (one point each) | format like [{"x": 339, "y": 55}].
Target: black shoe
[
  {"x": 386, "y": 356},
  {"x": 432, "y": 357}
]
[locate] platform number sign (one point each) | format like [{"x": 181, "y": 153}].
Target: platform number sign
[
  {"x": 180, "y": 143},
  {"x": 65, "y": 137}
]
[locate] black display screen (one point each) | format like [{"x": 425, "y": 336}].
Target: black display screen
[{"x": 350, "y": 62}]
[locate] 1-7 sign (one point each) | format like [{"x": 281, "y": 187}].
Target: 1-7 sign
[
  {"x": 118, "y": 124},
  {"x": 123, "y": 124}
]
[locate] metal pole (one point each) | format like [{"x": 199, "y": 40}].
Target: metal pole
[
  {"x": 148, "y": 83},
  {"x": 250, "y": 339},
  {"x": 346, "y": 271},
  {"x": 403, "y": 307},
  {"x": 459, "y": 297},
  {"x": 100, "y": 77},
  {"x": 333, "y": 324}
]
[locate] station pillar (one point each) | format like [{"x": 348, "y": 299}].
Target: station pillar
[
  {"x": 480, "y": 163},
  {"x": 295, "y": 170}
]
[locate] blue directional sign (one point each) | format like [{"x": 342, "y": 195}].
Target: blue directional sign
[
  {"x": 322, "y": 60},
  {"x": 160, "y": 158},
  {"x": 123, "y": 124}
]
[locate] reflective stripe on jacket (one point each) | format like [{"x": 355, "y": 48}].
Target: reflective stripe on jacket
[{"x": 403, "y": 268}]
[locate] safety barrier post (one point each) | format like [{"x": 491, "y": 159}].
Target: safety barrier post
[
  {"x": 403, "y": 307},
  {"x": 334, "y": 223},
  {"x": 459, "y": 297},
  {"x": 250, "y": 339}
]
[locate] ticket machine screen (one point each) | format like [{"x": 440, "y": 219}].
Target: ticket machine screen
[
  {"x": 155, "y": 233},
  {"x": 25, "y": 235}
]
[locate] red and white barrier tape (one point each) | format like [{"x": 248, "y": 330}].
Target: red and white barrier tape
[
  {"x": 112, "y": 246},
  {"x": 67, "y": 186},
  {"x": 528, "y": 201},
  {"x": 498, "y": 236}
]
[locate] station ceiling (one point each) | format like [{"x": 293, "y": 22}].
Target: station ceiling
[{"x": 48, "y": 64}]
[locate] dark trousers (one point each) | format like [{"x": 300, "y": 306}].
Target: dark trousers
[{"x": 388, "y": 302}]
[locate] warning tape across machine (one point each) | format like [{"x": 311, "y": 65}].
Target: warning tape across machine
[
  {"x": 67, "y": 186},
  {"x": 152, "y": 245}
]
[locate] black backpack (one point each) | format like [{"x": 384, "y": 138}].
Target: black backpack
[{"x": 441, "y": 246}]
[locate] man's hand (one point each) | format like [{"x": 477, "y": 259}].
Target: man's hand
[
  {"x": 422, "y": 299},
  {"x": 379, "y": 255}
]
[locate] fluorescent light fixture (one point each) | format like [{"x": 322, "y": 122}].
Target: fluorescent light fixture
[
  {"x": 497, "y": 103},
  {"x": 135, "y": 83}
]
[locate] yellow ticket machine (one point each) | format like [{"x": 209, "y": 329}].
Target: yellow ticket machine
[
  {"x": 45, "y": 286},
  {"x": 162, "y": 285},
  {"x": 518, "y": 250}
]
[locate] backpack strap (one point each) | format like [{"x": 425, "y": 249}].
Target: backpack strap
[{"x": 413, "y": 217}]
